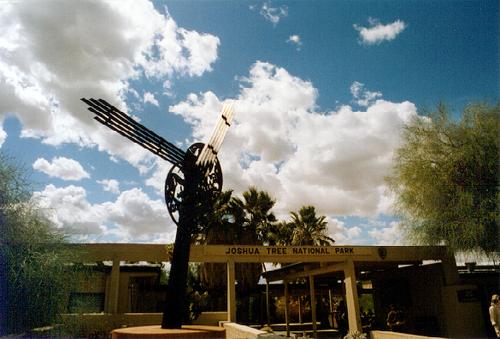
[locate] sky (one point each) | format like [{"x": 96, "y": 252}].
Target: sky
[{"x": 322, "y": 91}]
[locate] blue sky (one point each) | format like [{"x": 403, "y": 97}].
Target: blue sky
[{"x": 322, "y": 90}]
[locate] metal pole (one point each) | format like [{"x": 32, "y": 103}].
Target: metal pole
[
  {"x": 300, "y": 309},
  {"x": 231, "y": 292},
  {"x": 313, "y": 305},
  {"x": 287, "y": 320},
  {"x": 268, "y": 309}
]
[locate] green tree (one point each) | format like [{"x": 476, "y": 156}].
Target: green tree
[
  {"x": 309, "y": 229},
  {"x": 446, "y": 179},
  {"x": 220, "y": 228},
  {"x": 256, "y": 219},
  {"x": 280, "y": 234},
  {"x": 243, "y": 221},
  {"x": 33, "y": 273}
]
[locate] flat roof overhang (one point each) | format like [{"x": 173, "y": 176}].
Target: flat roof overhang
[{"x": 249, "y": 253}]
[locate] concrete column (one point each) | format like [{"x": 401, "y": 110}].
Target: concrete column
[
  {"x": 231, "y": 292},
  {"x": 351, "y": 290},
  {"x": 114, "y": 287},
  {"x": 313, "y": 304},
  {"x": 450, "y": 270},
  {"x": 287, "y": 319}
]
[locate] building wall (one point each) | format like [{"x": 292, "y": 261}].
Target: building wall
[
  {"x": 98, "y": 283},
  {"x": 431, "y": 308},
  {"x": 487, "y": 282},
  {"x": 125, "y": 295},
  {"x": 463, "y": 318}
]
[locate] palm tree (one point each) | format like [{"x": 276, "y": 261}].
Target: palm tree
[
  {"x": 279, "y": 234},
  {"x": 233, "y": 220},
  {"x": 309, "y": 229},
  {"x": 218, "y": 228},
  {"x": 257, "y": 219}
]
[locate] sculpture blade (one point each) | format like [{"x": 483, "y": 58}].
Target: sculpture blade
[
  {"x": 211, "y": 149},
  {"x": 118, "y": 121}
]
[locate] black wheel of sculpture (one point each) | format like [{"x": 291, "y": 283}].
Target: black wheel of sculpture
[{"x": 211, "y": 181}]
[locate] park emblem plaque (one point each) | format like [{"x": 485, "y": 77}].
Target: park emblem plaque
[{"x": 191, "y": 186}]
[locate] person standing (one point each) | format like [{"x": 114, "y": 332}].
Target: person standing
[
  {"x": 392, "y": 317},
  {"x": 395, "y": 319},
  {"x": 342, "y": 319},
  {"x": 494, "y": 311}
]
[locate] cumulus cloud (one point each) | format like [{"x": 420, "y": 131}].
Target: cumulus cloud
[
  {"x": 365, "y": 231},
  {"x": 52, "y": 53},
  {"x": 389, "y": 235},
  {"x": 362, "y": 96},
  {"x": 134, "y": 211},
  {"x": 296, "y": 41},
  {"x": 150, "y": 98},
  {"x": 273, "y": 14},
  {"x": 68, "y": 208},
  {"x": 133, "y": 215},
  {"x": 341, "y": 233},
  {"x": 377, "y": 32},
  {"x": 281, "y": 143},
  {"x": 110, "y": 185},
  {"x": 157, "y": 179},
  {"x": 3, "y": 136},
  {"x": 62, "y": 168}
]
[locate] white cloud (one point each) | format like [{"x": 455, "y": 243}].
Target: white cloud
[
  {"x": 3, "y": 135},
  {"x": 135, "y": 212},
  {"x": 377, "y": 32},
  {"x": 133, "y": 215},
  {"x": 390, "y": 235},
  {"x": 62, "y": 168},
  {"x": 362, "y": 96},
  {"x": 295, "y": 40},
  {"x": 281, "y": 143},
  {"x": 157, "y": 179},
  {"x": 354, "y": 232},
  {"x": 68, "y": 208},
  {"x": 110, "y": 185},
  {"x": 150, "y": 98},
  {"x": 54, "y": 52},
  {"x": 273, "y": 14},
  {"x": 368, "y": 232},
  {"x": 343, "y": 234},
  {"x": 167, "y": 88}
]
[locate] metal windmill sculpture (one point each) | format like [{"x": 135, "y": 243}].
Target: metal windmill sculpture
[{"x": 191, "y": 186}]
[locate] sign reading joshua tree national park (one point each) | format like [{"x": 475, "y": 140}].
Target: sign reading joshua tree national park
[{"x": 299, "y": 251}]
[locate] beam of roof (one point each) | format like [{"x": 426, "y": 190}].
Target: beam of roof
[{"x": 284, "y": 275}]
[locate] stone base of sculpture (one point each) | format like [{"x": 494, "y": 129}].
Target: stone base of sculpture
[{"x": 155, "y": 331}]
